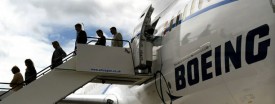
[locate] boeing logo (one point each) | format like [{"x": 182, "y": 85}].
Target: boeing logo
[{"x": 256, "y": 45}]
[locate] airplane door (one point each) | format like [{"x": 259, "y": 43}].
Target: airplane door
[{"x": 141, "y": 44}]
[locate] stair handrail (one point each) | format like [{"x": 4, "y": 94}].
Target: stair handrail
[
  {"x": 27, "y": 79},
  {"x": 4, "y": 88},
  {"x": 66, "y": 58},
  {"x": 39, "y": 74},
  {"x": 4, "y": 83},
  {"x": 42, "y": 72},
  {"x": 109, "y": 39}
]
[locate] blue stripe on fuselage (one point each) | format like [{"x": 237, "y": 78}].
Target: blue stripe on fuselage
[
  {"x": 202, "y": 11},
  {"x": 209, "y": 8},
  {"x": 198, "y": 13}
]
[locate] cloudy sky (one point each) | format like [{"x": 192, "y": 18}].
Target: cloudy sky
[{"x": 27, "y": 27}]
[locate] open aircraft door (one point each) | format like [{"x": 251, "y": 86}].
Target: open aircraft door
[{"x": 142, "y": 43}]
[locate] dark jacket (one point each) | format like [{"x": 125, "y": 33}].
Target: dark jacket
[
  {"x": 81, "y": 37},
  {"x": 57, "y": 57},
  {"x": 101, "y": 41},
  {"x": 30, "y": 75}
]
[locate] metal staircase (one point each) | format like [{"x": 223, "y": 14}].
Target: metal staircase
[
  {"x": 91, "y": 63},
  {"x": 99, "y": 64}
]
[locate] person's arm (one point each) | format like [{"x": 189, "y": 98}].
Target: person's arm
[
  {"x": 14, "y": 81},
  {"x": 60, "y": 54},
  {"x": 113, "y": 43},
  {"x": 120, "y": 43},
  {"x": 82, "y": 37},
  {"x": 98, "y": 41},
  {"x": 116, "y": 42},
  {"x": 101, "y": 41},
  {"x": 104, "y": 41},
  {"x": 63, "y": 53}
]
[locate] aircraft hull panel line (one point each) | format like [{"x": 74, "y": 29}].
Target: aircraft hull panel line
[{"x": 50, "y": 88}]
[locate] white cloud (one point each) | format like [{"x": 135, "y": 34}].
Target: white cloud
[
  {"x": 15, "y": 49},
  {"x": 117, "y": 16},
  {"x": 21, "y": 36},
  {"x": 25, "y": 26}
]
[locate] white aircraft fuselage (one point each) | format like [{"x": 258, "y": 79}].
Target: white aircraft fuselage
[{"x": 211, "y": 52}]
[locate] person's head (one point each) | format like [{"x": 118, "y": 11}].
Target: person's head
[
  {"x": 29, "y": 63},
  {"x": 78, "y": 27},
  {"x": 55, "y": 44},
  {"x": 99, "y": 33},
  {"x": 113, "y": 30},
  {"x": 15, "y": 69}
]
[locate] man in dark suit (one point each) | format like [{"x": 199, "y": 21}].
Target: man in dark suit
[
  {"x": 81, "y": 36},
  {"x": 58, "y": 55}
]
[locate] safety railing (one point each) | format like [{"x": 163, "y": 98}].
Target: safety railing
[
  {"x": 39, "y": 74},
  {"x": 68, "y": 57},
  {"x": 94, "y": 39},
  {"x": 48, "y": 68},
  {"x": 4, "y": 88}
]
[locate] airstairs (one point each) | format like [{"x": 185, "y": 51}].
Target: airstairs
[{"x": 92, "y": 63}]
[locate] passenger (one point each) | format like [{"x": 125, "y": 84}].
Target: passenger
[
  {"x": 58, "y": 55},
  {"x": 81, "y": 36},
  {"x": 17, "y": 82},
  {"x": 102, "y": 39},
  {"x": 117, "y": 38},
  {"x": 30, "y": 74}
]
